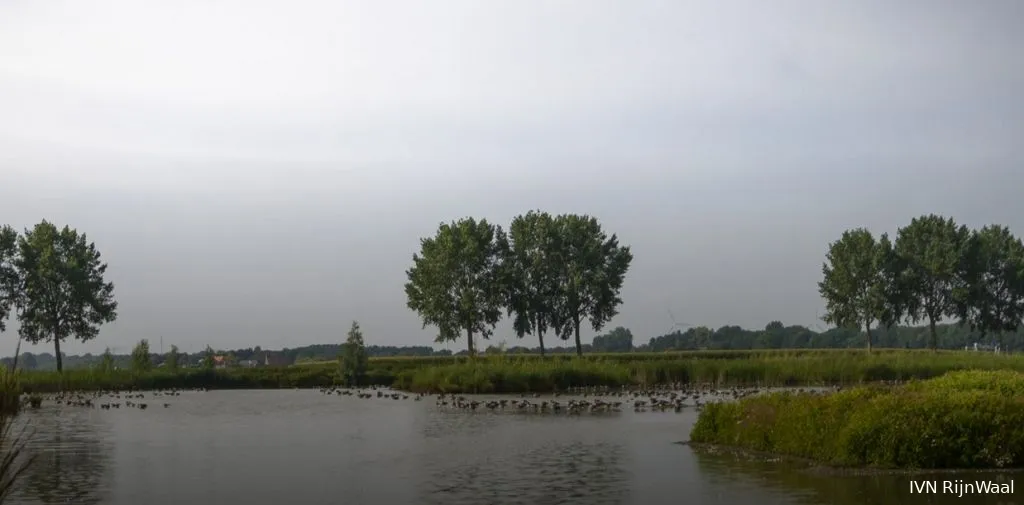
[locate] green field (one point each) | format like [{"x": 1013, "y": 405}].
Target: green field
[{"x": 531, "y": 373}]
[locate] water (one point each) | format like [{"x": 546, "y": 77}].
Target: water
[{"x": 274, "y": 447}]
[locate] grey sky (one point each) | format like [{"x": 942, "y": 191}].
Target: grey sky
[{"x": 260, "y": 173}]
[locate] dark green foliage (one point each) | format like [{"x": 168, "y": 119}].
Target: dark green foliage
[
  {"x": 172, "y": 358},
  {"x": 992, "y": 297},
  {"x": 967, "y": 419},
  {"x": 62, "y": 282},
  {"x": 856, "y": 281},
  {"x": 591, "y": 268},
  {"x": 10, "y": 280},
  {"x": 107, "y": 361},
  {"x": 27, "y": 361},
  {"x": 353, "y": 359},
  {"x": 530, "y": 275},
  {"x": 455, "y": 281},
  {"x": 141, "y": 361},
  {"x": 618, "y": 340},
  {"x": 935, "y": 270},
  {"x": 932, "y": 251},
  {"x": 208, "y": 358}
]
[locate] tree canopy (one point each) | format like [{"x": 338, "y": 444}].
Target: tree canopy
[
  {"x": 531, "y": 275},
  {"x": 935, "y": 270},
  {"x": 10, "y": 281},
  {"x": 455, "y": 281},
  {"x": 855, "y": 286},
  {"x": 991, "y": 297},
  {"x": 141, "y": 360},
  {"x": 932, "y": 251},
  {"x": 591, "y": 270},
  {"x": 353, "y": 358},
  {"x": 64, "y": 292}
]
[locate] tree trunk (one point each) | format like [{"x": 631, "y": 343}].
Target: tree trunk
[
  {"x": 56, "y": 348},
  {"x": 867, "y": 328},
  {"x": 579, "y": 346},
  {"x": 933, "y": 333},
  {"x": 540, "y": 338},
  {"x": 469, "y": 339}
]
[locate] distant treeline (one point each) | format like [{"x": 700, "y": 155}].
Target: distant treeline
[
  {"x": 775, "y": 335},
  {"x": 934, "y": 270}
]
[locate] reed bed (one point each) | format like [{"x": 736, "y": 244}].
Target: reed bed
[{"x": 512, "y": 373}]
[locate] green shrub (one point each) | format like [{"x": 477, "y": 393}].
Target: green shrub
[{"x": 968, "y": 419}]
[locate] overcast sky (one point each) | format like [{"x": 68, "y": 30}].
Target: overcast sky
[{"x": 260, "y": 172}]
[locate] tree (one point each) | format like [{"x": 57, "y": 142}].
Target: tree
[
  {"x": 11, "y": 285},
  {"x": 618, "y": 340},
  {"x": 454, "y": 282},
  {"x": 172, "y": 358},
  {"x": 141, "y": 361},
  {"x": 10, "y": 279},
  {"x": 353, "y": 359},
  {"x": 107, "y": 362},
  {"x": 531, "y": 277},
  {"x": 208, "y": 363},
  {"x": 591, "y": 269},
  {"x": 65, "y": 294},
  {"x": 28, "y": 361},
  {"x": 932, "y": 252},
  {"x": 855, "y": 282},
  {"x": 991, "y": 298}
]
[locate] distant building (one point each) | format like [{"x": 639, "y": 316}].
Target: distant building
[
  {"x": 220, "y": 361},
  {"x": 248, "y": 363}
]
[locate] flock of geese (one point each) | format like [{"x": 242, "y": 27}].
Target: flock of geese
[
  {"x": 104, "y": 400},
  {"x": 576, "y": 401}
]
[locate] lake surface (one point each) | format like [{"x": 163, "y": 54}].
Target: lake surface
[{"x": 304, "y": 447}]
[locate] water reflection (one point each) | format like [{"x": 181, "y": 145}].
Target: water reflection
[
  {"x": 573, "y": 472},
  {"x": 816, "y": 488},
  {"x": 477, "y": 458},
  {"x": 72, "y": 460}
]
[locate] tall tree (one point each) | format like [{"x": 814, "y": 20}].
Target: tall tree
[
  {"x": 208, "y": 362},
  {"x": 932, "y": 250},
  {"x": 173, "y": 358},
  {"x": 65, "y": 294},
  {"x": 991, "y": 298},
  {"x": 107, "y": 361},
  {"x": 855, "y": 283},
  {"x": 353, "y": 359},
  {"x": 530, "y": 275},
  {"x": 455, "y": 280},
  {"x": 141, "y": 360},
  {"x": 591, "y": 269},
  {"x": 10, "y": 279}
]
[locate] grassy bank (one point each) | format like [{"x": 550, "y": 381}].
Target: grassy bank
[
  {"x": 966, "y": 419},
  {"x": 511, "y": 373}
]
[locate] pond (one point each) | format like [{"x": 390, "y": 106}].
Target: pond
[{"x": 304, "y": 447}]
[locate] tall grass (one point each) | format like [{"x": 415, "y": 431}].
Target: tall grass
[
  {"x": 966, "y": 419},
  {"x": 514, "y": 374},
  {"x": 14, "y": 459},
  {"x": 517, "y": 373}
]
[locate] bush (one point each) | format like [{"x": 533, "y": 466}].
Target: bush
[{"x": 967, "y": 419}]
